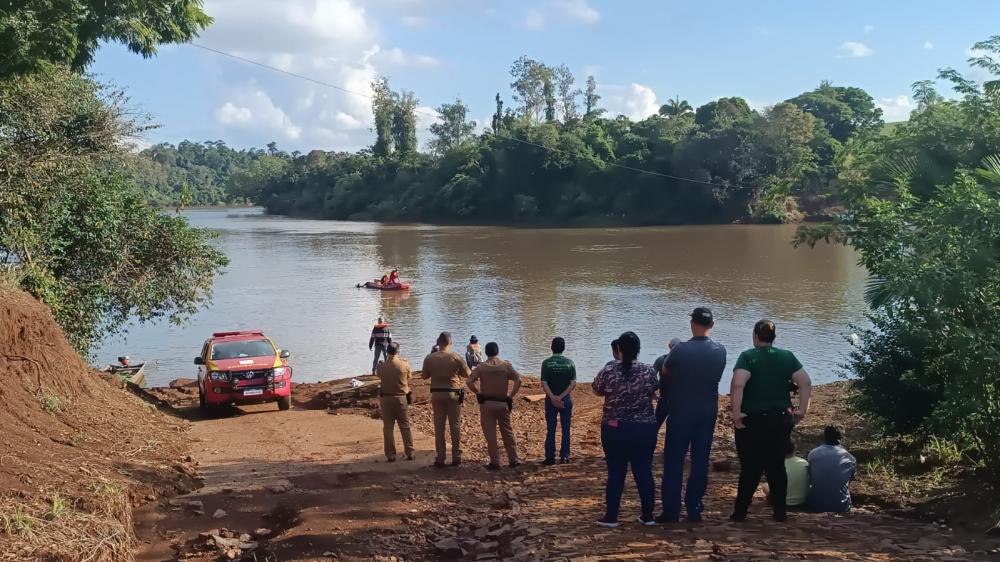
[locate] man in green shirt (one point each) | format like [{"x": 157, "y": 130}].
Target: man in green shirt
[
  {"x": 763, "y": 416},
  {"x": 558, "y": 380}
]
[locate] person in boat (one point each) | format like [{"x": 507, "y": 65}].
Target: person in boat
[
  {"x": 473, "y": 355},
  {"x": 394, "y": 277},
  {"x": 384, "y": 279},
  {"x": 379, "y": 341}
]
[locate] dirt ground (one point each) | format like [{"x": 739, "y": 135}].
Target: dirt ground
[{"x": 312, "y": 484}]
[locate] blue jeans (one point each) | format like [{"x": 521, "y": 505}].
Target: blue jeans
[
  {"x": 694, "y": 432},
  {"x": 379, "y": 351},
  {"x": 629, "y": 444},
  {"x": 565, "y": 415}
]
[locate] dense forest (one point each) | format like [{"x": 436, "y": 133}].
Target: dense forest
[
  {"x": 200, "y": 174},
  {"x": 555, "y": 157}
]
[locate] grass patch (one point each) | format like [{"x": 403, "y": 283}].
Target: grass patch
[
  {"x": 89, "y": 529},
  {"x": 50, "y": 402}
]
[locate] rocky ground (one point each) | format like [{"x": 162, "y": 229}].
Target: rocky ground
[{"x": 312, "y": 484}]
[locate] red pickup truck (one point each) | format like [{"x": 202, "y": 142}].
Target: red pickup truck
[{"x": 243, "y": 367}]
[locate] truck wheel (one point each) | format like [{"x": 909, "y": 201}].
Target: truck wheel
[{"x": 285, "y": 402}]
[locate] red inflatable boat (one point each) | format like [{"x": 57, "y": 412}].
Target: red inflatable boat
[{"x": 387, "y": 286}]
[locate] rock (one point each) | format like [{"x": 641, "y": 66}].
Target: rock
[
  {"x": 448, "y": 548},
  {"x": 219, "y": 514},
  {"x": 281, "y": 488},
  {"x": 262, "y": 532},
  {"x": 245, "y": 537}
]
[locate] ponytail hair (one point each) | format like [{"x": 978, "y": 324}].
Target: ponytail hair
[{"x": 628, "y": 343}]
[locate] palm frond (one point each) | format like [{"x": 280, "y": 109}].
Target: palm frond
[
  {"x": 878, "y": 293},
  {"x": 990, "y": 170}
]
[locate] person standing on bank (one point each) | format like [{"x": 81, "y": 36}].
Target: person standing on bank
[
  {"x": 763, "y": 417},
  {"x": 395, "y": 398},
  {"x": 496, "y": 403},
  {"x": 558, "y": 381},
  {"x": 446, "y": 369},
  {"x": 379, "y": 340},
  {"x": 661, "y": 403},
  {"x": 689, "y": 383},
  {"x": 628, "y": 428}
]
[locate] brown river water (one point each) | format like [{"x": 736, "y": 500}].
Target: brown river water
[{"x": 295, "y": 279}]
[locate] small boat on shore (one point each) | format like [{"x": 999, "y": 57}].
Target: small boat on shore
[
  {"x": 134, "y": 374},
  {"x": 386, "y": 286}
]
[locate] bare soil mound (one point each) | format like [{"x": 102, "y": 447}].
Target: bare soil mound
[{"x": 76, "y": 451}]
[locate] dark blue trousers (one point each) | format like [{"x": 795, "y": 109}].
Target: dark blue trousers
[
  {"x": 685, "y": 432},
  {"x": 629, "y": 444},
  {"x": 565, "y": 416}
]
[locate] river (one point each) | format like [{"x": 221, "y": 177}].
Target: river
[{"x": 295, "y": 279}]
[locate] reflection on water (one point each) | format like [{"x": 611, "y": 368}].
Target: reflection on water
[{"x": 296, "y": 279}]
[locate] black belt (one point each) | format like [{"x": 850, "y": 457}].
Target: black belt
[
  {"x": 770, "y": 413},
  {"x": 505, "y": 400}
]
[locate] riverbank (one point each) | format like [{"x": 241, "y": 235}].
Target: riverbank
[
  {"x": 77, "y": 451},
  {"x": 315, "y": 479}
]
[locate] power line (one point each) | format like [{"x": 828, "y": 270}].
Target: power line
[{"x": 435, "y": 116}]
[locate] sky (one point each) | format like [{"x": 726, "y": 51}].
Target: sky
[{"x": 641, "y": 52}]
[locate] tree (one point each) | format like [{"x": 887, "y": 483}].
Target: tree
[
  {"x": 567, "y": 95},
  {"x": 85, "y": 241},
  {"x": 404, "y": 123},
  {"x": 453, "y": 128},
  {"x": 529, "y": 85},
  {"x": 382, "y": 111},
  {"x": 34, "y": 34},
  {"x": 844, "y": 110},
  {"x": 549, "y": 91},
  {"x": 675, "y": 108},
  {"x": 722, "y": 113},
  {"x": 591, "y": 98},
  {"x": 498, "y": 116}
]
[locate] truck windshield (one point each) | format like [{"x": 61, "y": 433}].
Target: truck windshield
[{"x": 237, "y": 349}]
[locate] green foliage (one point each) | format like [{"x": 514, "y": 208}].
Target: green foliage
[
  {"x": 924, "y": 216},
  {"x": 203, "y": 174},
  {"x": 845, "y": 111},
  {"x": 40, "y": 33},
  {"x": 454, "y": 127},
  {"x": 545, "y": 164},
  {"x": 74, "y": 222}
]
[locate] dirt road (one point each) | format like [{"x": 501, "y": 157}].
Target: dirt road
[{"x": 318, "y": 484}]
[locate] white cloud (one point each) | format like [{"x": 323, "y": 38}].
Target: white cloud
[
  {"x": 869, "y": 28},
  {"x": 397, "y": 57},
  {"x": 293, "y": 26},
  {"x": 232, "y": 114},
  {"x": 533, "y": 20},
  {"x": 635, "y": 101},
  {"x": 928, "y": 45},
  {"x": 578, "y": 10},
  {"x": 256, "y": 109},
  {"x": 333, "y": 41},
  {"x": 854, "y": 49},
  {"x": 897, "y": 108},
  {"x": 417, "y": 21}
]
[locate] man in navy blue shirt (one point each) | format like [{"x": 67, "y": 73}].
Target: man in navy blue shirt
[{"x": 690, "y": 385}]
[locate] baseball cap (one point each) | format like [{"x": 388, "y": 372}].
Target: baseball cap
[
  {"x": 702, "y": 316},
  {"x": 473, "y": 339}
]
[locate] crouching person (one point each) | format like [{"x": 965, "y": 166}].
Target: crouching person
[
  {"x": 394, "y": 376},
  {"x": 831, "y": 469},
  {"x": 496, "y": 400}
]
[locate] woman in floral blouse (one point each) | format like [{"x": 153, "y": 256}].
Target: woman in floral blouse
[{"x": 628, "y": 428}]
